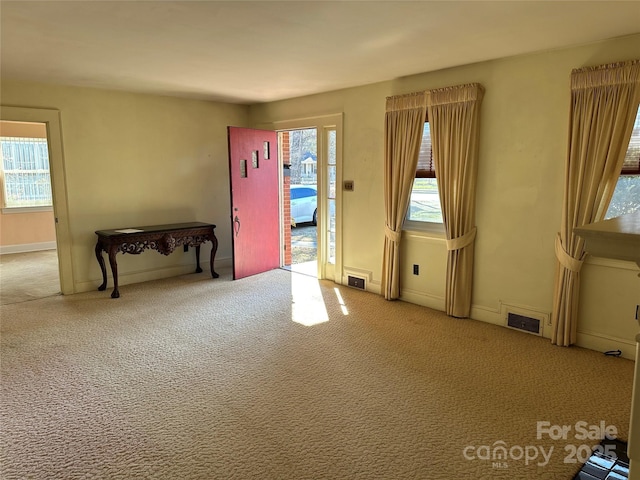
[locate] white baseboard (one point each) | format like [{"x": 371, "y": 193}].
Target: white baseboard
[
  {"x": 495, "y": 316},
  {"x": 586, "y": 339},
  {"x": 226, "y": 262},
  {"x": 604, "y": 343},
  {"x": 431, "y": 301},
  {"x": 27, "y": 247},
  {"x": 436, "y": 302},
  {"x": 488, "y": 315}
]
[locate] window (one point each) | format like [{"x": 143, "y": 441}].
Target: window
[
  {"x": 626, "y": 197},
  {"x": 26, "y": 180},
  {"x": 424, "y": 206}
]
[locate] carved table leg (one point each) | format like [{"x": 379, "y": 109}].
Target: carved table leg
[
  {"x": 114, "y": 271},
  {"x": 198, "y": 269},
  {"x": 103, "y": 268},
  {"x": 214, "y": 249}
]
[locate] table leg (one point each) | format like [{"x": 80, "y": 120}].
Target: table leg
[
  {"x": 114, "y": 271},
  {"x": 103, "y": 268},
  {"x": 214, "y": 249},
  {"x": 198, "y": 269}
]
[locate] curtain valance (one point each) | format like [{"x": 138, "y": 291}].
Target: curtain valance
[
  {"x": 471, "y": 92},
  {"x": 409, "y": 101},
  {"x": 604, "y": 75}
]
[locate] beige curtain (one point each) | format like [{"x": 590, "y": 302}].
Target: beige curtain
[
  {"x": 404, "y": 123},
  {"x": 604, "y": 102},
  {"x": 454, "y": 118}
]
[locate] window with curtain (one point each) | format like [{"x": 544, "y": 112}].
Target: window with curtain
[
  {"x": 424, "y": 205},
  {"x": 626, "y": 197}
]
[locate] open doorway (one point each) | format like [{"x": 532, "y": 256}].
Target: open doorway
[
  {"x": 299, "y": 150},
  {"x": 28, "y": 247},
  {"x": 327, "y": 132}
]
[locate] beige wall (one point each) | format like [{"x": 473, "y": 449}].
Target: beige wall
[
  {"x": 28, "y": 228},
  {"x": 23, "y": 129},
  {"x": 134, "y": 160},
  {"x": 520, "y": 186}
]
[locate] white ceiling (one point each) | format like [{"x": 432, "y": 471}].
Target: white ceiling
[{"x": 259, "y": 51}]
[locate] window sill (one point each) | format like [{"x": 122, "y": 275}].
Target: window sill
[
  {"x": 611, "y": 263},
  {"x": 427, "y": 229},
  {"x": 10, "y": 210}
]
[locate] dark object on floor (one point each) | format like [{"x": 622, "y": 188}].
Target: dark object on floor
[
  {"x": 609, "y": 461},
  {"x": 613, "y": 353}
]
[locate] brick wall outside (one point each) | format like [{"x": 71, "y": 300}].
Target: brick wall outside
[{"x": 283, "y": 147}]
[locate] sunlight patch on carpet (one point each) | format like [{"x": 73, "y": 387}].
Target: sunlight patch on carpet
[
  {"x": 307, "y": 304},
  {"x": 343, "y": 307}
]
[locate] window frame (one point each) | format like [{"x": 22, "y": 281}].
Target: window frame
[
  {"x": 630, "y": 167},
  {"x": 436, "y": 228},
  {"x": 36, "y": 207}
]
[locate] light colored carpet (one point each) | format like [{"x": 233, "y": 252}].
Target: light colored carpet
[
  {"x": 279, "y": 376},
  {"x": 28, "y": 276}
]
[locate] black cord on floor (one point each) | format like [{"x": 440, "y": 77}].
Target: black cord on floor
[{"x": 613, "y": 353}]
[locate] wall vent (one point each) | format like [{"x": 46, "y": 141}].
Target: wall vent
[
  {"x": 356, "y": 282},
  {"x": 524, "y": 323}
]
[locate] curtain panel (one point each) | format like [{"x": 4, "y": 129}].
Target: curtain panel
[
  {"x": 404, "y": 122},
  {"x": 454, "y": 118},
  {"x": 604, "y": 102}
]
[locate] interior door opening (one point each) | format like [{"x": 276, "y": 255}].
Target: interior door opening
[
  {"x": 29, "y": 263},
  {"x": 299, "y": 152}
]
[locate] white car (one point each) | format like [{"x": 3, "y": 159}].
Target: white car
[{"x": 304, "y": 204}]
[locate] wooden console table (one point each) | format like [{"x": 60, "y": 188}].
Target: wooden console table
[{"x": 163, "y": 238}]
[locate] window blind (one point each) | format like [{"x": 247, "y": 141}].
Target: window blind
[
  {"x": 631, "y": 165},
  {"x": 425, "y": 159}
]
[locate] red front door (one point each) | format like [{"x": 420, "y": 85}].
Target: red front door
[{"x": 255, "y": 214}]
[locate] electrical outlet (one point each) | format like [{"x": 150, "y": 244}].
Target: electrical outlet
[{"x": 416, "y": 269}]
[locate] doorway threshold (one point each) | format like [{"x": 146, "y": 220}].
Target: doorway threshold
[{"x": 305, "y": 268}]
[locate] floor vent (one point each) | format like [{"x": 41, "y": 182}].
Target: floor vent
[
  {"x": 524, "y": 323},
  {"x": 356, "y": 282}
]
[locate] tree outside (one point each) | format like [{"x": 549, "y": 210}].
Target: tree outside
[
  {"x": 626, "y": 197},
  {"x": 303, "y": 148}
]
